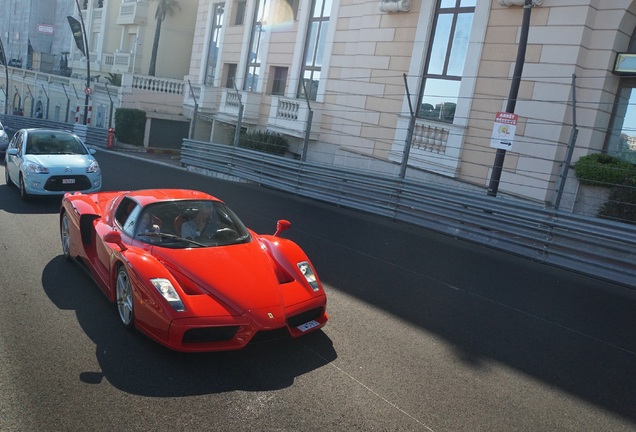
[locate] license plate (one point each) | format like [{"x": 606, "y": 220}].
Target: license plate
[
  {"x": 308, "y": 325},
  {"x": 68, "y": 181}
]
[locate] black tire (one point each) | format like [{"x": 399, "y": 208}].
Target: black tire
[
  {"x": 23, "y": 193},
  {"x": 7, "y": 177},
  {"x": 65, "y": 236}
]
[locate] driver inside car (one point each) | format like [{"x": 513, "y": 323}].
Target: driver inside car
[{"x": 202, "y": 225}]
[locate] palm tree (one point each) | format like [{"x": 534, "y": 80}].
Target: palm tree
[
  {"x": 164, "y": 8},
  {"x": 113, "y": 79}
]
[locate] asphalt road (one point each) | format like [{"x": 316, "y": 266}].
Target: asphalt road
[{"x": 426, "y": 333}]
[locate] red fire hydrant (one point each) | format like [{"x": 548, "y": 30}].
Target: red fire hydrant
[{"x": 110, "y": 139}]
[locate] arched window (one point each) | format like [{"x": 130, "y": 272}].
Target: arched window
[
  {"x": 314, "y": 48},
  {"x": 253, "y": 72},
  {"x": 215, "y": 37},
  {"x": 621, "y": 138},
  {"x": 445, "y": 59}
]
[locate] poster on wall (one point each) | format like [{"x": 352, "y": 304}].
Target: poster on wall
[{"x": 503, "y": 132}]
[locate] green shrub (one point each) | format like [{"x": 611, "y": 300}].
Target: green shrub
[
  {"x": 264, "y": 141},
  {"x": 621, "y": 203},
  {"x": 600, "y": 169},
  {"x": 130, "y": 125}
]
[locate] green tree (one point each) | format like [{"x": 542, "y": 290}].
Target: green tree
[
  {"x": 164, "y": 8},
  {"x": 113, "y": 79}
]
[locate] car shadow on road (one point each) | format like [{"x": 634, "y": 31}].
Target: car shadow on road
[
  {"x": 135, "y": 364},
  {"x": 11, "y": 203}
]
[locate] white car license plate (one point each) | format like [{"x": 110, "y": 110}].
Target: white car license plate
[
  {"x": 68, "y": 181},
  {"x": 308, "y": 325}
]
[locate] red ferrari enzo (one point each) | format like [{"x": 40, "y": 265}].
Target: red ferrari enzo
[{"x": 184, "y": 270}]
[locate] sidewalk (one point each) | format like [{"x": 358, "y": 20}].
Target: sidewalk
[{"x": 161, "y": 156}]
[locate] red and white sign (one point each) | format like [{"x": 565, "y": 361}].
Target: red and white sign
[
  {"x": 503, "y": 132},
  {"x": 46, "y": 28},
  {"x": 88, "y": 90}
]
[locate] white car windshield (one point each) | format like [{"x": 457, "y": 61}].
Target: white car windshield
[{"x": 52, "y": 142}]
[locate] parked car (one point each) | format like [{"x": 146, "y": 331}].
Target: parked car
[
  {"x": 4, "y": 139},
  {"x": 50, "y": 162},
  {"x": 183, "y": 269}
]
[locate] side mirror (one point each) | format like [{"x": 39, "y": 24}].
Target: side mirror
[
  {"x": 12, "y": 151},
  {"x": 282, "y": 225},
  {"x": 115, "y": 237},
  {"x": 92, "y": 151}
]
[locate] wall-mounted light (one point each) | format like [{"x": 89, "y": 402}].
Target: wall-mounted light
[
  {"x": 394, "y": 5},
  {"x": 519, "y": 2},
  {"x": 625, "y": 64}
]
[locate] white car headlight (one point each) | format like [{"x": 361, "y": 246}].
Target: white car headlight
[
  {"x": 93, "y": 168},
  {"x": 32, "y": 167},
  {"x": 168, "y": 292},
  {"x": 309, "y": 274}
]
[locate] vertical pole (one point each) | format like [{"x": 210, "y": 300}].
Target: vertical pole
[
  {"x": 195, "y": 112},
  {"x": 409, "y": 133},
  {"x": 3, "y": 59},
  {"x": 493, "y": 186},
  {"x": 68, "y": 104},
  {"x": 563, "y": 173},
  {"x": 310, "y": 118},
  {"x": 88, "y": 62},
  {"x": 237, "y": 132}
]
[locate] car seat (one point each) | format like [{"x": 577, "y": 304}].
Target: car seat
[{"x": 178, "y": 222}]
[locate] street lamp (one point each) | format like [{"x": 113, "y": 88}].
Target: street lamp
[
  {"x": 497, "y": 168},
  {"x": 81, "y": 40},
  {"x": 3, "y": 60}
]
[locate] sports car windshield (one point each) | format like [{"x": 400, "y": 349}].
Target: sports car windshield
[
  {"x": 52, "y": 142},
  {"x": 187, "y": 224}
]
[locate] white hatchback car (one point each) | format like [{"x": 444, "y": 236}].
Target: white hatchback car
[
  {"x": 4, "y": 139},
  {"x": 50, "y": 162}
]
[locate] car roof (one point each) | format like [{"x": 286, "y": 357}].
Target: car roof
[
  {"x": 151, "y": 196},
  {"x": 48, "y": 130}
]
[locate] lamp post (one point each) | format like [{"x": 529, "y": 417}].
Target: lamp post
[
  {"x": 497, "y": 168},
  {"x": 3, "y": 59},
  {"x": 81, "y": 40}
]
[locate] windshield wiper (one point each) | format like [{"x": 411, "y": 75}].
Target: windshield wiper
[{"x": 170, "y": 236}]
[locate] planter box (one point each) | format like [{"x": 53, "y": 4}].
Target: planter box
[{"x": 590, "y": 199}]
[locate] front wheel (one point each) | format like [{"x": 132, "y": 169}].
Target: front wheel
[
  {"x": 125, "y": 302},
  {"x": 7, "y": 177},
  {"x": 65, "y": 235},
  {"x": 23, "y": 193}
]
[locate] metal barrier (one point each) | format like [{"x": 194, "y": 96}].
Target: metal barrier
[
  {"x": 591, "y": 246},
  {"x": 92, "y": 136}
]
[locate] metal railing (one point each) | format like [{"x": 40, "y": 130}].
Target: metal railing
[{"x": 591, "y": 246}]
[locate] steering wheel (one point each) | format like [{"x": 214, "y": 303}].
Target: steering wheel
[
  {"x": 209, "y": 231},
  {"x": 227, "y": 234}
]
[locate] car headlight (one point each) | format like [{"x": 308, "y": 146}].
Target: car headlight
[
  {"x": 93, "y": 168},
  {"x": 309, "y": 274},
  {"x": 168, "y": 292},
  {"x": 32, "y": 167},
  {"x": 4, "y": 138}
]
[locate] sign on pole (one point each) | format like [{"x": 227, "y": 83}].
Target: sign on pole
[
  {"x": 503, "y": 132},
  {"x": 76, "y": 28}
]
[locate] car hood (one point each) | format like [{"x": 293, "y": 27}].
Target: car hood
[
  {"x": 241, "y": 275},
  {"x": 66, "y": 160}
]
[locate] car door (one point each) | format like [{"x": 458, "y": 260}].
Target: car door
[
  {"x": 125, "y": 216},
  {"x": 15, "y": 161}
]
